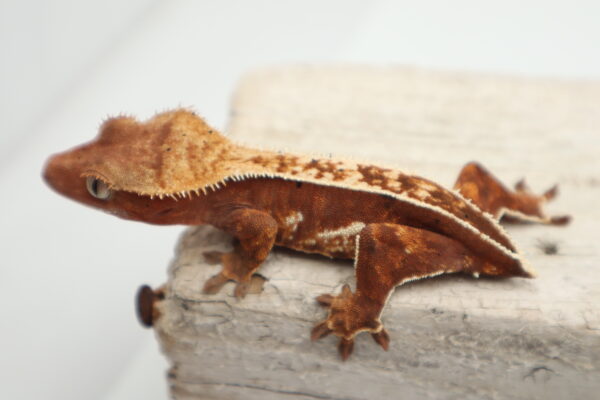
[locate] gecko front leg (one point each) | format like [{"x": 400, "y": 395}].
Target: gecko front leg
[
  {"x": 254, "y": 232},
  {"x": 388, "y": 255}
]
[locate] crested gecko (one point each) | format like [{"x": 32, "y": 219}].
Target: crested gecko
[{"x": 176, "y": 169}]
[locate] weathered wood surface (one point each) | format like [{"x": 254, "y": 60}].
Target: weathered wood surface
[{"x": 452, "y": 337}]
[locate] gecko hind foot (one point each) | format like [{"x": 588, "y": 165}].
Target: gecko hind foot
[
  {"x": 530, "y": 204},
  {"x": 477, "y": 184}
]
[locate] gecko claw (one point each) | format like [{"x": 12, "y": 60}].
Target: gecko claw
[
  {"x": 382, "y": 338},
  {"x": 325, "y": 300},
  {"x": 345, "y": 348},
  {"x": 320, "y": 331}
]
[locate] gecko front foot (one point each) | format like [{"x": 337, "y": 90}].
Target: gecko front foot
[
  {"x": 233, "y": 267},
  {"x": 349, "y": 315}
]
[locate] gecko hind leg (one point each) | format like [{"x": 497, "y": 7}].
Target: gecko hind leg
[
  {"x": 388, "y": 255},
  {"x": 489, "y": 194}
]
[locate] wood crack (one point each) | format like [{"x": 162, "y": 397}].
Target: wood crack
[{"x": 267, "y": 389}]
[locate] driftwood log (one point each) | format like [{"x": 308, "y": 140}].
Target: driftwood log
[{"x": 452, "y": 336}]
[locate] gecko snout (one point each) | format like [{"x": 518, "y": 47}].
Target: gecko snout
[{"x": 62, "y": 172}]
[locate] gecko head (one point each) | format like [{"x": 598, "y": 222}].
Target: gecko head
[{"x": 131, "y": 168}]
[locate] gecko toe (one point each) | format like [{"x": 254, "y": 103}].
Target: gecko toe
[
  {"x": 320, "y": 331},
  {"x": 325, "y": 300},
  {"x": 212, "y": 257},
  {"x": 214, "y": 284},
  {"x": 560, "y": 220},
  {"x": 241, "y": 289},
  {"x": 382, "y": 338},
  {"x": 550, "y": 193},
  {"x": 521, "y": 186},
  {"x": 345, "y": 348}
]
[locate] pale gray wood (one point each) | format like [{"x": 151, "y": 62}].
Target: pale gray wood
[{"x": 452, "y": 337}]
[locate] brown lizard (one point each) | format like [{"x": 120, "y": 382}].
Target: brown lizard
[{"x": 175, "y": 169}]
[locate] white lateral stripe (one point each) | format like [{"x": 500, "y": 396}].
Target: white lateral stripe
[{"x": 350, "y": 230}]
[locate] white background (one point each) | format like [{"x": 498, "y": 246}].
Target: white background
[{"x": 68, "y": 274}]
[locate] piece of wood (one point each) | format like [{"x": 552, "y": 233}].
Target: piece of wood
[{"x": 452, "y": 336}]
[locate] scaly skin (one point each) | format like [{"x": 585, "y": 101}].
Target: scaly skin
[{"x": 175, "y": 169}]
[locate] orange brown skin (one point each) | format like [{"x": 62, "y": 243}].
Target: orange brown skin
[{"x": 175, "y": 169}]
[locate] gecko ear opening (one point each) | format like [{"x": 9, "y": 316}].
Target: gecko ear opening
[{"x": 97, "y": 188}]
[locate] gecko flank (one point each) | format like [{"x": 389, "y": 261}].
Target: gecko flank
[{"x": 175, "y": 169}]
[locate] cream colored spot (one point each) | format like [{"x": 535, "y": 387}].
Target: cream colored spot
[
  {"x": 428, "y": 186},
  {"x": 421, "y": 193},
  {"x": 292, "y": 220},
  {"x": 341, "y": 239}
]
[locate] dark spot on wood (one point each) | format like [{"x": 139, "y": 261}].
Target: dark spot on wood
[
  {"x": 436, "y": 311},
  {"x": 548, "y": 247},
  {"x": 168, "y": 149},
  {"x": 298, "y": 185}
]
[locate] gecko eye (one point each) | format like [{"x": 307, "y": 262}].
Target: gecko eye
[{"x": 97, "y": 188}]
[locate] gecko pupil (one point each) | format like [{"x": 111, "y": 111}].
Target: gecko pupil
[{"x": 97, "y": 188}]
